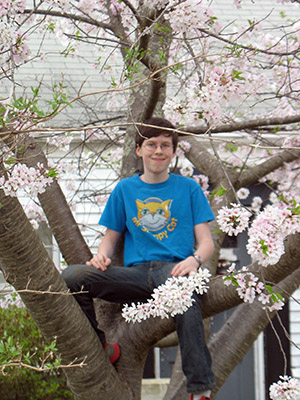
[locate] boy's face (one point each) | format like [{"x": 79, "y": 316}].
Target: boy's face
[{"x": 156, "y": 153}]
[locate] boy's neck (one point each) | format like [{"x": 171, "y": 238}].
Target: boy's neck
[{"x": 154, "y": 178}]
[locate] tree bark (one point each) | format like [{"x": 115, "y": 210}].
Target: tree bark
[
  {"x": 243, "y": 334},
  {"x": 26, "y": 265},
  {"x": 240, "y": 331}
]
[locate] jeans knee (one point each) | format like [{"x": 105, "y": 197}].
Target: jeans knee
[{"x": 73, "y": 276}]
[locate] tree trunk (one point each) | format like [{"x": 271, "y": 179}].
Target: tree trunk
[
  {"x": 148, "y": 98},
  {"x": 26, "y": 265}
]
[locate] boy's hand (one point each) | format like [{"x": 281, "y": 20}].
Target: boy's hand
[
  {"x": 185, "y": 267},
  {"x": 99, "y": 261}
]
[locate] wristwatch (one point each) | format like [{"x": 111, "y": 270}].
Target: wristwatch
[{"x": 198, "y": 259}]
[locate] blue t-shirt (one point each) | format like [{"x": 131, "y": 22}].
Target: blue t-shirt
[{"x": 158, "y": 219}]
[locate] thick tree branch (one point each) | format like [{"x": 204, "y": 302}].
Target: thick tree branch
[
  {"x": 235, "y": 126},
  {"x": 253, "y": 174},
  {"x": 238, "y": 334},
  {"x": 204, "y": 161},
  {"x": 61, "y": 220},
  {"x": 238, "y": 337},
  {"x": 75, "y": 17},
  {"x": 220, "y": 298}
]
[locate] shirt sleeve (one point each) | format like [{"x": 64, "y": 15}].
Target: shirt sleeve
[
  {"x": 202, "y": 211},
  {"x": 114, "y": 215}
]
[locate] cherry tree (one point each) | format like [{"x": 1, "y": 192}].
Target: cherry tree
[{"x": 231, "y": 87}]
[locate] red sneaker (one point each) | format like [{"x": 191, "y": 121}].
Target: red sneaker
[
  {"x": 113, "y": 351},
  {"x": 201, "y": 398}
]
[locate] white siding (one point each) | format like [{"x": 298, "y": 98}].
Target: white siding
[{"x": 295, "y": 334}]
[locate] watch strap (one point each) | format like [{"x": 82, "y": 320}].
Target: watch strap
[{"x": 198, "y": 259}]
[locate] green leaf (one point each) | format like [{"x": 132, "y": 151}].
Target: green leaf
[
  {"x": 269, "y": 288},
  {"x": 297, "y": 210},
  {"x": 278, "y": 296},
  {"x": 264, "y": 247},
  {"x": 113, "y": 82},
  {"x": 162, "y": 55},
  {"x": 217, "y": 231},
  {"x": 231, "y": 147},
  {"x": 52, "y": 173},
  {"x": 274, "y": 298},
  {"x": 235, "y": 283},
  {"x": 218, "y": 192},
  {"x": 176, "y": 68},
  {"x": 237, "y": 75},
  {"x": 35, "y": 91},
  {"x": 10, "y": 161}
]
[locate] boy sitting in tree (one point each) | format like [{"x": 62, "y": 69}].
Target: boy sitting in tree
[{"x": 161, "y": 215}]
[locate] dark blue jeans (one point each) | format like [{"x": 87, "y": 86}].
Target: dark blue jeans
[{"x": 126, "y": 285}]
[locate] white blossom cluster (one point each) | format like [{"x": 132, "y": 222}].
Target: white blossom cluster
[
  {"x": 11, "y": 7},
  {"x": 287, "y": 388},
  {"x": 183, "y": 147},
  {"x": 33, "y": 181},
  {"x": 249, "y": 287},
  {"x": 10, "y": 36},
  {"x": 35, "y": 214},
  {"x": 7, "y": 35},
  {"x": 243, "y": 193},
  {"x": 233, "y": 220},
  {"x": 268, "y": 232},
  {"x": 172, "y": 298},
  {"x": 187, "y": 16}
]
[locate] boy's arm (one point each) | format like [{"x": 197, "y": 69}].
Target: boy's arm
[
  {"x": 105, "y": 250},
  {"x": 205, "y": 250},
  {"x": 204, "y": 241}
]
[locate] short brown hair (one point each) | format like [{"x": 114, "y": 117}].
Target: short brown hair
[{"x": 147, "y": 132}]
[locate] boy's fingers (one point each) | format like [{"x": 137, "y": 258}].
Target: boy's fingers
[{"x": 176, "y": 270}]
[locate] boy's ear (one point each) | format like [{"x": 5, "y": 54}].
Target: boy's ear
[{"x": 138, "y": 151}]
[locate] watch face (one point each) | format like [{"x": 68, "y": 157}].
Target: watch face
[{"x": 198, "y": 258}]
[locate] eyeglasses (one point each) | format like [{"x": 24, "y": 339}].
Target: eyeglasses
[{"x": 165, "y": 147}]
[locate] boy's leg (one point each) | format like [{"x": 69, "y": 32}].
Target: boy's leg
[
  {"x": 117, "y": 284},
  {"x": 195, "y": 356}
]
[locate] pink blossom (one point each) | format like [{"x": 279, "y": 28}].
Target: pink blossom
[
  {"x": 256, "y": 203},
  {"x": 287, "y": 388},
  {"x": 243, "y": 193},
  {"x": 29, "y": 179},
  {"x": 184, "y": 145},
  {"x": 264, "y": 298},
  {"x": 248, "y": 287},
  {"x": 233, "y": 220},
  {"x": 187, "y": 171},
  {"x": 268, "y": 232},
  {"x": 34, "y": 213},
  {"x": 276, "y": 306}
]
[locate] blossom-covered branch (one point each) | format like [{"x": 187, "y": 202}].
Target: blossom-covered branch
[{"x": 173, "y": 297}]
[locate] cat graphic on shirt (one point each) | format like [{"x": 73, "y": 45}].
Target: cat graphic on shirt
[{"x": 154, "y": 213}]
